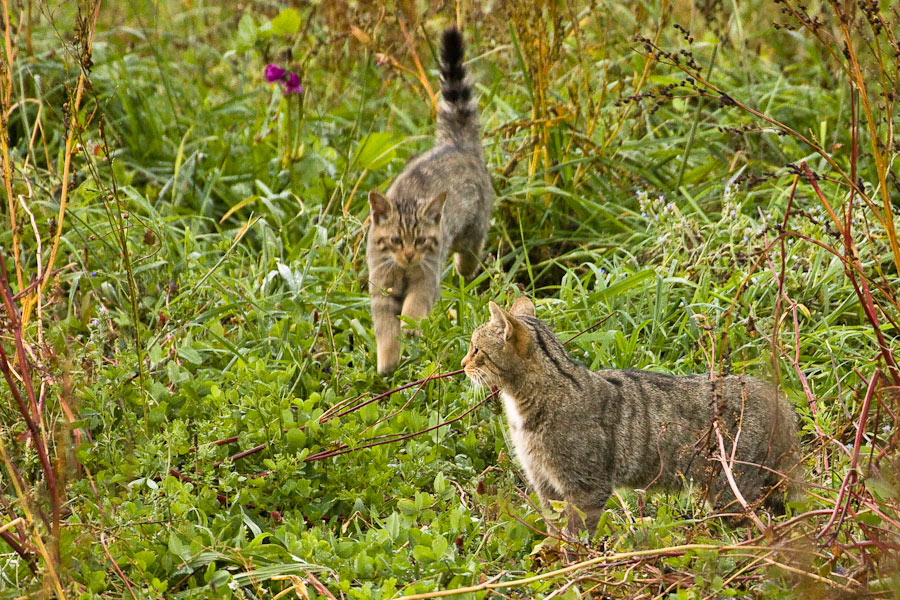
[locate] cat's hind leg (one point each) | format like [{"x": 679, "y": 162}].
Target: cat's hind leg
[
  {"x": 467, "y": 257},
  {"x": 590, "y": 507},
  {"x": 467, "y": 248},
  {"x": 546, "y": 491},
  {"x": 467, "y": 263}
]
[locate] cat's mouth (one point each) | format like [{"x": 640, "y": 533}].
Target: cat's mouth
[
  {"x": 405, "y": 260},
  {"x": 477, "y": 377}
]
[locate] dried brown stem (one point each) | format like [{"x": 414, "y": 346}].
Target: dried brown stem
[
  {"x": 69, "y": 151},
  {"x": 609, "y": 559},
  {"x": 6, "y": 87}
]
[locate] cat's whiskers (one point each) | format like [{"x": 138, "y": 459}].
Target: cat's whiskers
[
  {"x": 479, "y": 389},
  {"x": 480, "y": 380},
  {"x": 480, "y": 393},
  {"x": 389, "y": 261},
  {"x": 430, "y": 268}
]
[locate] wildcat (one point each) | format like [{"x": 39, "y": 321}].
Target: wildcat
[
  {"x": 579, "y": 433},
  {"x": 440, "y": 203}
]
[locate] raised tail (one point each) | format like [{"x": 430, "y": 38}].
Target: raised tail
[{"x": 457, "y": 120}]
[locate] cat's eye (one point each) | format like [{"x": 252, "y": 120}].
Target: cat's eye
[
  {"x": 420, "y": 241},
  {"x": 395, "y": 240},
  {"x": 474, "y": 351}
]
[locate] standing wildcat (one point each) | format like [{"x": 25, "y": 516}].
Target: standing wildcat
[
  {"x": 440, "y": 203},
  {"x": 579, "y": 433}
]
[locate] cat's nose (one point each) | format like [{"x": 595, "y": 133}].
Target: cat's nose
[
  {"x": 409, "y": 255},
  {"x": 465, "y": 360}
]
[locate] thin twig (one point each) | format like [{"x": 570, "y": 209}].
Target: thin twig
[
  {"x": 333, "y": 453},
  {"x": 599, "y": 561},
  {"x": 73, "y": 110}
]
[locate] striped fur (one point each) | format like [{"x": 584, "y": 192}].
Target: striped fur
[
  {"x": 440, "y": 204},
  {"x": 457, "y": 113},
  {"x": 579, "y": 433}
]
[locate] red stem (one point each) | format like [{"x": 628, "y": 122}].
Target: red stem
[
  {"x": 861, "y": 287},
  {"x": 16, "y": 328},
  {"x": 7, "y": 537},
  {"x": 332, "y": 453},
  {"x": 242, "y": 454},
  {"x": 326, "y": 417},
  {"x": 344, "y": 450},
  {"x": 33, "y": 429},
  {"x": 852, "y": 474}
]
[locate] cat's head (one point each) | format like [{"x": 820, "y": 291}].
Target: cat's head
[
  {"x": 406, "y": 231},
  {"x": 502, "y": 347}
]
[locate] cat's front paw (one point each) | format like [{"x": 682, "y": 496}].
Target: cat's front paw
[
  {"x": 411, "y": 332},
  {"x": 388, "y": 356},
  {"x": 409, "y": 326},
  {"x": 387, "y": 366}
]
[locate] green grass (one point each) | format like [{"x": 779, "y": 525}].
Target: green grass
[{"x": 248, "y": 317}]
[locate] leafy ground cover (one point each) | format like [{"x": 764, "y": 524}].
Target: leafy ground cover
[{"x": 192, "y": 409}]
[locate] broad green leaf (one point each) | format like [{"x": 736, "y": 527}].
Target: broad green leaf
[
  {"x": 246, "y": 33},
  {"x": 296, "y": 439},
  {"x": 376, "y": 150},
  {"x": 144, "y": 559},
  {"x": 392, "y": 525},
  {"x": 287, "y": 22},
  {"x": 407, "y": 507},
  {"x": 190, "y": 354},
  {"x": 423, "y": 554},
  {"x": 439, "y": 545}
]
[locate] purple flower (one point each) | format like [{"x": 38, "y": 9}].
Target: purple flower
[
  {"x": 292, "y": 84},
  {"x": 274, "y": 73}
]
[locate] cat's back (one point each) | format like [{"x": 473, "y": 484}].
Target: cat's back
[
  {"x": 461, "y": 175},
  {"x": 760, "y": 410},
  {"x": 662, "y": 424},
  {"x": 445, "y": 168},
  {"x": 658, "y": 401},
  {"x": 663, "y": 388},
  {"x": 660, "y": 392}
]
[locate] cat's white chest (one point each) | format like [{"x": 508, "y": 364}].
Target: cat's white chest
[
  {"x": 526, "y": 451},
  {"x": 512, "y": 414}
]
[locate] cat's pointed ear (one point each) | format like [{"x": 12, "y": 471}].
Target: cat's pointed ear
[
  {"x": 513, "y": 330},
  {"x": 522, "y": 307},
  {"x": 381, "y": 206},
  {"x": 497, "y": 313},
  {"x": 433, "y": 208}
]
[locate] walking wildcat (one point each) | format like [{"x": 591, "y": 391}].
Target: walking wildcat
[
  {"x": 440, "y": 203},
  {"x": 579, "y": 433}
]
